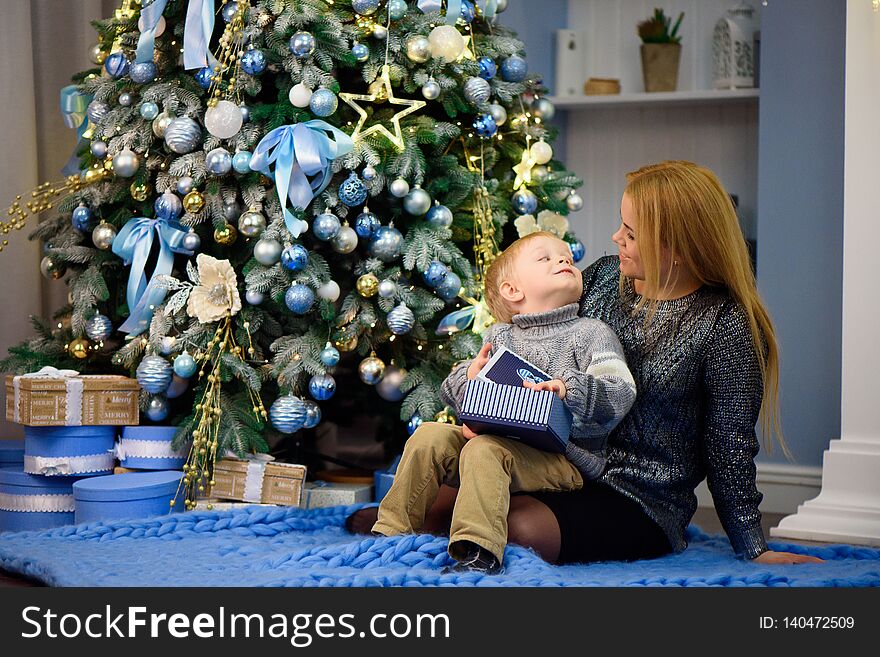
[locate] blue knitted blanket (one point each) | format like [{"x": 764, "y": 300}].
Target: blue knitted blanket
[{"x": 257, "y": 546}]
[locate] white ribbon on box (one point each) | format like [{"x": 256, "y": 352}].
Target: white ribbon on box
[
  {"x": 50, "y": 466},
  {"x": 74, "y": 386},
  {"x": 37, "y": 503},
  {"x": 146, "y": 449},
  {"x": 256, "y": 472}
]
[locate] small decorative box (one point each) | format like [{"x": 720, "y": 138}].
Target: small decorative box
[
  {"x": 11, "y": 453},
  {"x": 149, "y": 448},
  {"x": 128, "y": 496},
  {"x": 64, "y": 451},
  {"x": 325, "y": 493},
  {"x": 258, "y": 479},
  {"x": 53, "y": 397},
  {"x": 32, "y": 502},
  {"x": 384, "y": 478},
  {"x": 537, "y": 418},
  {"x": 223, "y": 505}
]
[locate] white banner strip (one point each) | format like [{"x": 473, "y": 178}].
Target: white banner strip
[
  {"x": 37, "y": 503},
  {"x": 253, "y": 484},
  {"x": 147, "y": 449},
  {"x": 68, "y": 465}
]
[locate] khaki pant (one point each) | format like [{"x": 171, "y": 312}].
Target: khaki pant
[{"x": 485, "y": 469}]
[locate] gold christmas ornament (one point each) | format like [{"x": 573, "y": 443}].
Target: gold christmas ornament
[
  {"x": 78, "y": 348},
  {"x": 344, "y": 343},
  {"x": 226, "y": 235},
  {"x": 377, "y": 88},
  {"x": 194, "y": 202},
  {"x": 367, "y": 285},
  {"x": 140, "y": 191},
  {"x": 372, "y": 369},
  {"x": 446, "y": 416}
]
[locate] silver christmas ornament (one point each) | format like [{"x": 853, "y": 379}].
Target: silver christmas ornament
[
  {"x": 231, "y": 211},
  {"x": 268, "y": 252},
  {"x": 126, "y": 99},
  {"x": 417, "y": 202},
  {"x": 399, "y": 188},
  {"x": 477, "y": 90},
  {"x": 126, "y": 163},
  {"x": 369, "y": 173},
  {"x": 498, "y": 113},
  {"x": 251, "y": 223},
  {"x": 192, "y": 241},
  {"x": 380, "y": 32},
  {"x": 400, "y": 320},
  {"x": 386, "y": 243},
  {"x": 329, "y": 291},
  {"x": 288, "y": 414},
  {"x": 418, "y": 49},
  {"x": 183, "y": 135},
  {"x": 387, "y": 288},
  {"x": 440, "y": 216},
  {"x": 325, "y": 226},
  {"x": 500, "y": 6},
  {"x": 574, "y": 202},
  {"x": 161, "y": 123},
  {"x": 313, "y": 414},
  {"x": 389, "y": 387},
  {"x": 184, "y": 185},
  {"x": 167, "y": 345},
  {"x": 218, "y": 162},
  {"x": 365, "y": 7},
  {"x": 371, "y": 370},
  {"x": 543, "y": 109},
  {"x": 99, "y": 328},
  {"x": 154, "y": 374},
  {"x": 302, "y": 44},
  {"x": 253, "y": 297},
  {"x": 157, "y": 408},
  {"x": 97, "y": 110},
  {"x": 345, "y": 241},
  {"x": 99, "y": 149},
  {"x": 103, "y": 236},
  {"x": 431, "y": 89}
]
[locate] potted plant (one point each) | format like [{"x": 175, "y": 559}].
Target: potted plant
[{"x": 661, "y": 51}]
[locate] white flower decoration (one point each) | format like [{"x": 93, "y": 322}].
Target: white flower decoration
[
  {"x": 217, "y": 291},
  {"x": 525, "y": 224},
  {"x": 553, "y": 222}
]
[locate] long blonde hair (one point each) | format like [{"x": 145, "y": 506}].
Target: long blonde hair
[{"x": 683, "y": 207}]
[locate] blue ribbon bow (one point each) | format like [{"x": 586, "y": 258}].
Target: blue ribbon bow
[
  {"x": 133, "y": 244},
  {"x": 74, "y": 107},
  {"x": 453, "y": 8},
  {"x": 299, "y": 152},
  {"x": 197, "y": 35},
  {"x": 150, "y": 15}
]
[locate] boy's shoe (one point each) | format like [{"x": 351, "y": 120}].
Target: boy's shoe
[{"x": 476, "y": 559}]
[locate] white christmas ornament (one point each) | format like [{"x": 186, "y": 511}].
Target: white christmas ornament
[
  {"x": 446, "y": 43},
  {"x": 300, "y": 95},
  {"x": 541, "y": 152},
  {"x": 329, "y": 291},
  {"x": 224, "y": 120}
]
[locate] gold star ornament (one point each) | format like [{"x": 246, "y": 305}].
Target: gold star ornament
[
  {"x": 523, "y": 170},
  {"x": 410, "y": 106}
]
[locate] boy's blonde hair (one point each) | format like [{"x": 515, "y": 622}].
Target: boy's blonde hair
[{"x": 502, "y": 270}]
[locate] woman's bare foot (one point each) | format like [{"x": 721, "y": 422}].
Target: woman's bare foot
[{"x": 362, "y": 520}]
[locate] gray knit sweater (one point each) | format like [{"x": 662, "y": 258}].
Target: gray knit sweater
[{"x": 586, "y": 355}]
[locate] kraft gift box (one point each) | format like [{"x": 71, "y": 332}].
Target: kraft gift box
[
  {"x": 11, "y": 453},
  {"x": 128, "y": 496},
  {"x": 258, "y": 479},
  {"x": 149, "y": 448},
  {"x": 65, "y": 451},
  {"x": 29, "y": 502},
  {"x": 325, "y": 493},
  {"x": 65, "y": 398},
  {"x": 537, "y": 418}
]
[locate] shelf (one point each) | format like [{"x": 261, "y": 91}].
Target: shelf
[{"x": 660, "y": 98}]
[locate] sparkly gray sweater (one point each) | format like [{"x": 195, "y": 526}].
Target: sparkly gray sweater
[
  {"x": 700, "y": 390},
  {"x": 586, "y": 355}
]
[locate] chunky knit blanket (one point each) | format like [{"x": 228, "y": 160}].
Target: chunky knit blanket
[{"x": 256, "y": 546}]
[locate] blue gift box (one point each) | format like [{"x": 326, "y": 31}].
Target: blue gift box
[
  {"x": 11, "y": 453},
  {"x": 33, "y": 502},
  {"x": 149, "y": 448},
  {"x": 384, "y": 479},
  {"x": 536, "y": 417},
  {"x": 127, "y": 496},
  {"x": 64, "y": 451}
]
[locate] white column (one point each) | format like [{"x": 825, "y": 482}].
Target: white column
[{"x": 848, "y": 507}]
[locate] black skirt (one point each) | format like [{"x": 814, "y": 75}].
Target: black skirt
[{"x": 597, "y": 523}]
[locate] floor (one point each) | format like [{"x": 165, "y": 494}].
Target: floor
[{"x": 705, "y": 518}]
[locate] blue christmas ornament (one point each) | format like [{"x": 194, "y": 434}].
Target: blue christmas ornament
[
  {"x": 288, "y": 414},
  {"x": 386, "y": 243},
  {"x": 154, "y": 374},
  {"x": 295, "y": 257},
  {"x": 401, "y": 319},
  {"x": 360, "y": 51},
  {"x": 81, "y": 217},
  {"x": 253, "y": 62},
  {"x": 99, "y": 149},
  {"x": 578, "y": 250},
  {"x": 149, "y": 111},
  {"x": 241, "y": 162},
  {"x": 302, "y": 44},
  {"x": 524, "y": 201},
  {"x": 365, "y": 7},
  {"x": 229, "y": 10},
  {"x": 325, "y": 226},
  {"x": 185, "y": 365},
  {"x": 329, "y": 355},
  {"x": 203, "y": 77},
  {"x": 485, "y": 126},
  {"x": 218, "y": 162},
  {"x": 352, "y": 191},
  {"x": 440, "y": 216},
  {"x": 323, "y": 102},
  {"x": 366, "y": 225},
  {"x": 414, "y": 423},
  {"x": 467, "y": 12},
  {"x": 313, "y": 414},
  {"x": 449, "y": 287},
  {"x": 488, "y": 69},
  {"x": 99, "y": 327},
  {"x": 117, "y": 65},
  {"x": 168, "y": 206},
  {"x": 143, "y": 72},
  {"x": 435, "y": 273},
  {"x": 397, "y": 9},
  {"x": 299, "y": 298},
  {"x": 157, "y": 408},
  {"x": 514, "y": 69},
  {"x": 322, "y": 386}
]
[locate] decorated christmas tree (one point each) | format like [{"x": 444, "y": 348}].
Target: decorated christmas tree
[{"x": 280, "y": 210}]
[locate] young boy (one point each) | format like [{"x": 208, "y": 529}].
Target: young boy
[{"x": 532, "y": 290}]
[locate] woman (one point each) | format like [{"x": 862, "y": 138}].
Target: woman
[{"x": 682, "y": 299}]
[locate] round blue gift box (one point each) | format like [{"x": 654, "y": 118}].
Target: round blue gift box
[
  {"x": 65, "y": 451},
  {"x": 127, "y": 496},
  {"x": 11, "y": 453},
  {"x": 149, "y": 448},
  {"x": 22, "y": 496}
]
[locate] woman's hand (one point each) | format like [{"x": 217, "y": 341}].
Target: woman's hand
[
  {"x": 556, "y": 385},
  {"x": 479, "y": 362},
  {"x": 468, "y": 434},
  {"x": 785, "y": 557}
]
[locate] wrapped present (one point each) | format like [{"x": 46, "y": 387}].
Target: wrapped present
[
  {"x": 535, "y": 417},
  {"x": 384, "y": 478},
  {"x": 259, "y": 478},
  {"x": 149, "y": 448},
  {"x": 326, "y": 493},
  {"x": 53, "y": 397},
  {"x": 66, "y": 451},
  {"x": 128, "y": 496},
  {"x": 30, "y": 502},
  {"x": 11, "y": 453}
]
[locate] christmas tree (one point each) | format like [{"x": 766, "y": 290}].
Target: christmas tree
[{"x": 273, "y": 198}]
